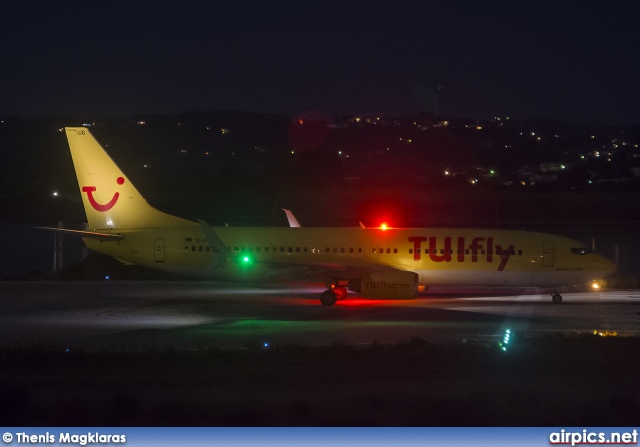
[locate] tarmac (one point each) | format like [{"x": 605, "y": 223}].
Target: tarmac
[{"x": 192, "y": 315}]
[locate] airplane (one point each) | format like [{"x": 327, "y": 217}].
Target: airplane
[{"x": 379, "y": 263}]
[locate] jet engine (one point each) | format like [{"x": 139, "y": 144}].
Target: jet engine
[{"x": 387, "y": 285}]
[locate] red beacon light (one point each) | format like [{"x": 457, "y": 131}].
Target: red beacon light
[{"x": 384, "y": 226}]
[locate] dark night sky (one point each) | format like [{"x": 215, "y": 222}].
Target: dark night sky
[{"x": 574, "y": 61}]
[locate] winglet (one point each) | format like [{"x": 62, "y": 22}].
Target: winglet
[{"x": 293, "y": 222}]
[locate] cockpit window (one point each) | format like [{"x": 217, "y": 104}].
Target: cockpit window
[{"x": 581, "y": 250}]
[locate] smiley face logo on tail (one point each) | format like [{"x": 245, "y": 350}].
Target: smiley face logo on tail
[{"x": 97, "y": 206}]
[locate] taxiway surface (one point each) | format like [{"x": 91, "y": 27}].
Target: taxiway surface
[{"x": 202, "y": 315}]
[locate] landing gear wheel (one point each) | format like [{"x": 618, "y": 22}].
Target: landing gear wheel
[
  {"x": 340, "y": 292},
  {"x": 328, "y": 298},
  {"x": 556, "y": 298}
]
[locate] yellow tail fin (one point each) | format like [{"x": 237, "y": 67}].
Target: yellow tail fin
[{"x": 110, "y": 199}]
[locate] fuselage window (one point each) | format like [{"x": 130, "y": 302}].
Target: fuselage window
[
  {"x": 373, "y": 250},
  {"x": 236, "y": 249},
  {"x": 326, "y": 250},
  {"x": 257, "y": 248},
  {"x": 207, "y": 248},
  {"x": 281, "y": 249},
  {"x": 466, "y": 252},
  {"x": 359, "y": 250},
  {"x": 297, "y": 249},
  {"x": 388, "y": 250},
  {"x": 342, "y": 250},
  {"x": 351, "y": 250},
  {"x": 186, "y": 248},
  {"x": 411, "y": 251},
  {"x": 520, "y": 252},
  {"x": 395, "y": 251},
  {"x": 305, "y": 249},
  {"x": 290, "y": 249},
  {"x": 266, "y": 249},
  {"x": 200, "y": 248},
  {"x": 482, "y": 252},
  {"x": 193, "y": 248}
]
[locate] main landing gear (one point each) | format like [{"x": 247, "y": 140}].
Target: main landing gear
[
  {"x": 556, "y": 298},
  {"x": 335, "y": 293}
]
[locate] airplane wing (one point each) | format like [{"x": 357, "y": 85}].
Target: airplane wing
[{"x": 286, "y": 270}]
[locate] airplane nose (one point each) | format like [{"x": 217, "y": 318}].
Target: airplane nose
[{"x": 606, "y": 265}]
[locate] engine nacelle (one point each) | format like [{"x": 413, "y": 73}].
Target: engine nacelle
[{"x": 387, "y": 285}]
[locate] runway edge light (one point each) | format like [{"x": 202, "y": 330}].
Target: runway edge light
[{"x": 506, "y": 339}]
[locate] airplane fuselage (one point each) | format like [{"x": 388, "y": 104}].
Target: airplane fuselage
[{"x": 441, "y": 256}]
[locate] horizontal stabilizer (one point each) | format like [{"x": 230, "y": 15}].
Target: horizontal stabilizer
[{"x": 91, "y": 234}]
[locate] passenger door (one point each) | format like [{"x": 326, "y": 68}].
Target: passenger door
[
  {"x": 158, "y": 250},
  {"x": 549, "y": 254}
]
